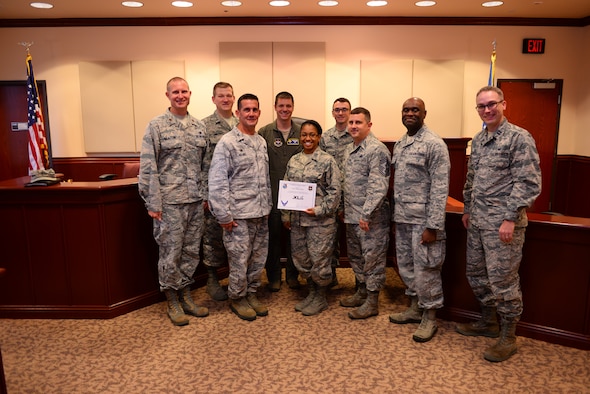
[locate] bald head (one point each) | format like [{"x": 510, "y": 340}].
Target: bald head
[{"x": 413, "y": 114}]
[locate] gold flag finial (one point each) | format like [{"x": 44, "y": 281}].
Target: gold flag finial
[{"x": 27, "y": 45}]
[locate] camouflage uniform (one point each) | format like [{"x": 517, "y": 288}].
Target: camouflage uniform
[
  {"x": 214, "y": 254},
  {"x": 279, "y": 153},
  {"x": 334, "y": 142},
  {"x": 239, "y": 190},
  {"x": 312, "y": 236},
  {"x": 366, "y": 181},
  {"x": 420, "y": 189},
  {"x": 503, "y": 179},
  {"x": 172, "y": 180}
]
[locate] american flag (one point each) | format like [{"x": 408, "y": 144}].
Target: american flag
[{"x": 38, "y": 150}]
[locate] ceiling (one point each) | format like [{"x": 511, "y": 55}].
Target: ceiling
[{"x": 20, "y": 9}]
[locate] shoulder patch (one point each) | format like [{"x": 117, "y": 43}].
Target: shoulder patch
[{"x": 384, "y": 166}]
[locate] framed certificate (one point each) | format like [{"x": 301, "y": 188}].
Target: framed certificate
[{"x": 296, "y": 196}]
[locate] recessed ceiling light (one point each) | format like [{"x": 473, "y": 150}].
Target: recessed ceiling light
[
  {"x": 133, "y": 4},
  {"x": 425, "y": 3},
  {"x": 182, "y": 4},
  {"x": 492, "y": 3},
  {"x": 328, "y": 3},
  {"x": 231, "y": 3},
  {"x": 376, "y": 3},
  {"x": 279, "y": 3},
  {"x": 41, "y": 5}
]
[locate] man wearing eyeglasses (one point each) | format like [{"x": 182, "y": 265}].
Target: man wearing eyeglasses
[
  {"x": 333, "y": 141},
  {"x": 503, "y": 179},
  {"x": 420, "y": 189}
]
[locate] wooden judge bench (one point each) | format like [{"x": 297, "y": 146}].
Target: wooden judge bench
[
  {"x": 76, "y": 250},
  {"x": 84, "y": 249}
]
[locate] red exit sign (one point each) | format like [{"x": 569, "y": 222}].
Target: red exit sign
[{"x": 533, "y": 45}]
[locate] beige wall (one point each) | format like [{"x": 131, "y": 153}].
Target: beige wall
[
  {"x": 582, "y": 135},
  {"x": 57, "y": 52}
]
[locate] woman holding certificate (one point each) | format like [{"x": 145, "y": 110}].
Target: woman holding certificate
[{"x": 313, "y": 227}]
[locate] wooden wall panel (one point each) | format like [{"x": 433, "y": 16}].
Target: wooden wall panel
[
  {"x": 300, "y": 69},
  {"x": 571, "y": 190},
  {"x": 440, "y": 84},
  {"x": 148, "y": 82},
  {"x": 106, "y": 95},
  {"x": 457, "y": 148},
  {"x": 83, "y": 254},
  {"x": 248, "y": 67},
  {"x": 395, "y": 78},
  {"x": 45, "y": 238},
  {"x": 123, "y": 265},
  {"x": 267, "y": 68},
  {"x": 18, "y": 270},
  {"x": 79, "y": 250},
  {"x": 549, "y": 253},
  {"x": 119, "y": 98},
  {"x": 88, "y": 169}
]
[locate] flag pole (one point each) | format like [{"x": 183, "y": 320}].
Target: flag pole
[
  {"x": 492, "y": 76},
  {"x": 38, "y": 149}
]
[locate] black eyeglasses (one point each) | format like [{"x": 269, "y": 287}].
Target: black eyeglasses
[{"x": 491, "y": 105}]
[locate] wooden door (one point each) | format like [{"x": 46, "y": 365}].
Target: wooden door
[
  {"x": 14, "y": 153},
  {"x": 535, "y": 106}
]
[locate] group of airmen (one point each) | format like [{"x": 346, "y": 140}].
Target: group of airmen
[{"x": 215, "y": 183}]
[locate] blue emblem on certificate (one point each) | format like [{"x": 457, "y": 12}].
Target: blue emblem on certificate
[{"x": 296, "y": 196}]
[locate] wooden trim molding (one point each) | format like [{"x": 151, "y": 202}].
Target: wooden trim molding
[{"x": 296, "y": 20}]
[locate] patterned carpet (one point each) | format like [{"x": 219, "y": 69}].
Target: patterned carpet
[{"x": 285, "y": 352}]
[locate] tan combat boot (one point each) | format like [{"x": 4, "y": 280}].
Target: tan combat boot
[
  {"x": 310, "y": 296},
  {"x": 411, "y": 315},
  {"x": 486, "y": 326},
  {"x": 242, "y": 308},
  {"x": 318, "y": 304},
  {"x": 259, "y": 307},
  {"x": 369, "y": 308},
  {"x": 427, "y": 327},
  {"x": 357, "y": 299},
  {"x": 506, "y": 345},
  {"x": 189, "y": 306},
  {"x": 214, "y": 289},
  {"x": 174, "y": 310}
]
